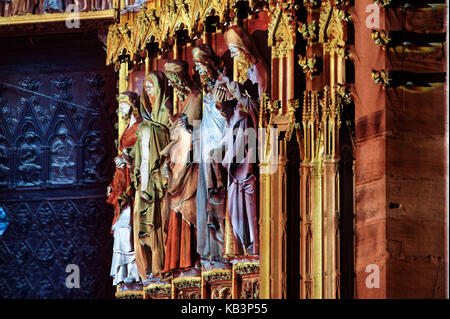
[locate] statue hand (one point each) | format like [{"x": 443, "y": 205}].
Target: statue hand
[{"x": 120, "y": 162}]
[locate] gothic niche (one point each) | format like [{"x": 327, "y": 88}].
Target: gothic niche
[
  {"x": 62, "y": 158},
  {"x": 4, "y": 162},
  {"x": 95, "y": 158},
  {"x": 29, "y": 168}
]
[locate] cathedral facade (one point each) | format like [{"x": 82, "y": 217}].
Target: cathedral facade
[{"x": 224, "y": 149}]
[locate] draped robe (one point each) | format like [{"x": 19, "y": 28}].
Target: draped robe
[
  {"x": 181, "y": 190},
  {"x": 240, "y": 162},
  {"x": 211, "y": 189},
  {"x": 148, "y": 213},
  {"x": 122, "y": 194}
]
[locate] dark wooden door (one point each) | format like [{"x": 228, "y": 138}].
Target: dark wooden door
[{"x": 56, "y": 151}]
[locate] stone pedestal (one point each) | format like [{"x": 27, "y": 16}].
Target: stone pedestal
[
  {"x": 158, "y": 291},
  {"x": 187, "y": 288},
  {"x": 217, "y": 284},
  {"x": 246, "y": 281},
  {"x": 133, "y": 291}
]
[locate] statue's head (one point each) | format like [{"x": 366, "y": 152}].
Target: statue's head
[
  {"x": 155, "y": 97},
  {"x": 63, "y": 132},
  {"x": 206, "y": 64},
  {"x": 240, "y": 43},
  {"x": 128, "y": 104},
  {"x": 242, "y": 48},
  {"x": 178, "y": 76},
  {"x": 29, "y": 136}
]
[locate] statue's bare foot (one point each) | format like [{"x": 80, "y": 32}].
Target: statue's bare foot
[
  {"x": 130, "y": 280},
  {"x": 193, "y": 272}
]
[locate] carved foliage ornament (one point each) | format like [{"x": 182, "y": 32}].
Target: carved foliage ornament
[
  {"x": 309, "y": 31},
  {"x": 310, "y": 4},
  {"x": 383, "y": 3},
  {"x": 308, "y": 65},
  {"x": 381, "y": 38},
  {"x": 381, "y": 78}
]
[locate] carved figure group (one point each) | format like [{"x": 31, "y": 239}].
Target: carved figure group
[{"x": 185, "y": 186}]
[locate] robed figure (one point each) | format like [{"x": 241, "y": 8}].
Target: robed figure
[
  {"x": 241, "y": 142},
  {"x": 182, "y": 173},
  {"x": 152, "y": 138},
  {"x": 211, "y": 189},
  {"x": 121, "y": 195}
]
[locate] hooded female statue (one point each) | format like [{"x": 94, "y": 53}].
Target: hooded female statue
[
  {"x": 121, "y": 195},
  {"x": 152, "y": 138},
  {"x": 182, "y": 173}
]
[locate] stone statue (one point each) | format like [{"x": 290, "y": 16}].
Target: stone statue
[
  {"x": 62, "y": 158},
  {"x": 150, "y": 184},
  {"x": 250, "y": 62},
  {"x": 211, "y": 191},
  {"x": 182, "y": 173},
  {"x": 241, "y": 142},
  {"x": 29, "y": 168},
  {"x": 95, "y": 166},
  {"x": 121, "y": 195}
]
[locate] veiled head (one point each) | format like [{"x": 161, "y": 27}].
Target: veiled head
[{"x": 155, "y": 97}]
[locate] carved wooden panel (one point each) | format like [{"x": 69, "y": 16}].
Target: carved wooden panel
[
  {"x": 217, "y": 284},
  {"x": 247, "y": 280},
  {"x": 130, "y": 291},
  {"x": 56, "y": 151},
  {"x": 187, "y": 288},
  {"x": 158, "y": 291}
]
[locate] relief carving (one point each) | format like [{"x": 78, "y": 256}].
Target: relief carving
[
  {"x": 95, "y": 164},
  {"x": 29, "y": 169},
  {"x": 4, "y": 161},
  {"x": 62, "y": 158}
]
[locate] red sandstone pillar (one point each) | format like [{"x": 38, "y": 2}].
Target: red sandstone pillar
[{"x": 400, "y": 158}]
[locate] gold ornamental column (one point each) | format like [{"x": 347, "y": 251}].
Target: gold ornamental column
[
  {"x": 316, "y": 196},
  {"x": 123, "y": 86},
  {"x": 264, "y": 234},
  {"x": 278, "y": 226},
  {"x": 330, "y": 197},
  {"x": 306, "y": 230},
  {"x": 332, "y": 36},
  {"x": 281, "y": 40}
]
